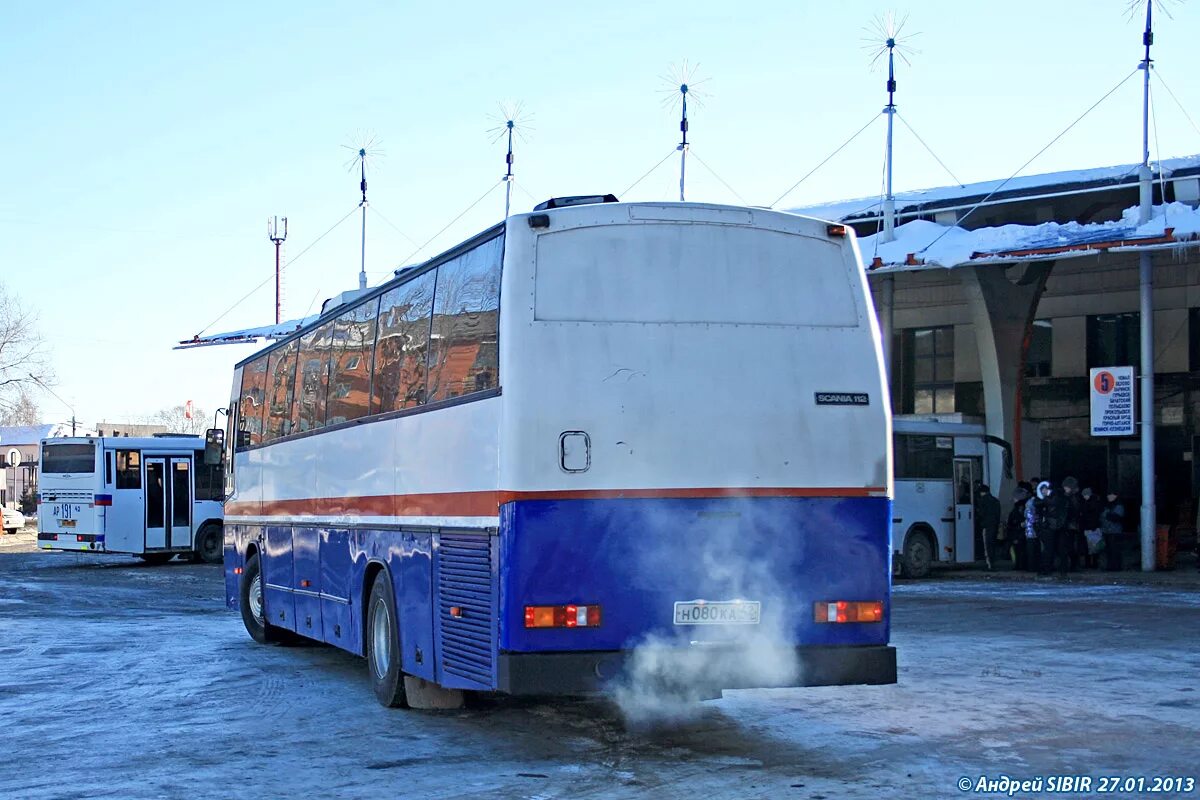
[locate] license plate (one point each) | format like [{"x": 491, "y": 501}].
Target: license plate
[
  {"x": 718, "y": 612},
  {"x": 67, "y": 523}
]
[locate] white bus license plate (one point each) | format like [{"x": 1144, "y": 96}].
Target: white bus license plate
[{"x": 722, "y": 612}]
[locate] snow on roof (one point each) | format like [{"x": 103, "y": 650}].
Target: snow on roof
[
  {"x": 1017, "y": 187},
  {"x": 248, "y": 335},
  {"x": 921, "y": 243}
]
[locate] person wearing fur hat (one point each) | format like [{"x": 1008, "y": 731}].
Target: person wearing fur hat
[{"x": 1051, "y": 528}]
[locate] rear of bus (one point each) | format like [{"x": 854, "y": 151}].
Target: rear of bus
[
  {"x": 695, "y": 453},
  {"x": 71, "y": 501}
]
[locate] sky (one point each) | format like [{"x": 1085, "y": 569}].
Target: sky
[{"x": 145, "y": 144}]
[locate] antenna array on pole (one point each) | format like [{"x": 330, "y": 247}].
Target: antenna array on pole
[
  {"x": 682, "y": 79},
  {"x": 884, "y": 39},
  {"x": 367, "y": 150},
  {"x": 278, "y": 236},
  {"x": 511, "y": 121}
]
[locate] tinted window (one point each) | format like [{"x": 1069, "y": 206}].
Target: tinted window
[
  {"x": 350, "y": 364},
  {"x": 466, "y": 310},
  {"x": 312, "y": 378},
  {"x": 129, "y": 469},
  {"x": 924, "y": 457},
  {"x": 208, "y": 479},
  {"x": 254, "y": 392},
  {"x": 181, "y": 504},
  {"x": 62, "y": 458},
  {"x": 402, "y": 346},
  {"x": 281, "y": 386}
]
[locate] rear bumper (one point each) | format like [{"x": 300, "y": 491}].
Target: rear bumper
[{"x": 578, "y": 673}]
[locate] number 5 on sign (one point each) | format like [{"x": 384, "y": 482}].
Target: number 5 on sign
[{"x": 1112, "y": 401}]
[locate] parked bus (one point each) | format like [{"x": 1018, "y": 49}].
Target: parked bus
[
  {"x": 152, "y": 497},
  {"x": 589, "y": 428},
  {"x": 939, "y": 460}
]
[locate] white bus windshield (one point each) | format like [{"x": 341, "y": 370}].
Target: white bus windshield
[{"x": 64, "y": 458}]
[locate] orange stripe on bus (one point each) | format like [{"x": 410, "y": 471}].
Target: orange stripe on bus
[{"x": 488, "y": 503}]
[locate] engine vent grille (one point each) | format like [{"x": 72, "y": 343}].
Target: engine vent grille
[{"x": 465, "y": 606}]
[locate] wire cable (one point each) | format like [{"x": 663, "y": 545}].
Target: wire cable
[
  {"x": 647, "y": 175},
  {"x": 391, "y": 224},
  {"x": 824, "y": 161},
  {"x": 281, "y": 269},
  {"x": 718, "y": 177},
  {"x": 1188, "y": 116},
  {"x": 465, "y": 211},
  {"x": 929, "y": 149},
  {"x": 1033, "y": 158}
]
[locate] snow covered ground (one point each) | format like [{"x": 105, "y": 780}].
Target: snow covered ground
[{"x": 127, "y": 681}]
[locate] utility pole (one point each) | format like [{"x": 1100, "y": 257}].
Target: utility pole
[
  {"x": 362, "y": 163},
  {"x": 683, "y": 144},
  {"x": 508, "y": 175},
  {"x": 1146, "y": 316},
  {"x": 278, "y": 236},
  {"x": 889, "y": 200}
]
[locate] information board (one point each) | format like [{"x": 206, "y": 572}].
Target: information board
[{"x": 1112, "y": 393}]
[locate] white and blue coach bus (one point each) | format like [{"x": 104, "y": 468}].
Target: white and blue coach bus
[{"x": 590, "y": 427}]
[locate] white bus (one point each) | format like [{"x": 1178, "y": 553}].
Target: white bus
[
  {"x": 939, "y": 459},
  {"x": 152, "y": 497},
  {"x": 592, "y": 427}
]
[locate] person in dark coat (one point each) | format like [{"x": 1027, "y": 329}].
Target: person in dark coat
[
  {"x": 1112, "y": 525},
  {"x": 987, "y": 517},
  {"x": 1092, "y": 506},
  {"x": 1072, "y": 543},
  {"x": 1052, "y": 513},
  {"x": 1015, "y": 528}
]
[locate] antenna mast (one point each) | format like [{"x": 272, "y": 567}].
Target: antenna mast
[
  {"x": 508, "y": 175},
  {"x": 888, "y": 29},
  {"x": 683, "y": 142},
  {"x": 362, "y": 163},
  {"x": 1148, "y": 521},
  {"x": 278, "y": 236}
]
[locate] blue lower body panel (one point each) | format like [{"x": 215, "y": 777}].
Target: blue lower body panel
[{"x": 461, "y": 595}]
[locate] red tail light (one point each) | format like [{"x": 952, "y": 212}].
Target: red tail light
[
  {"x": 847, "y": 611},
  {"x": 569, "y": 616}
]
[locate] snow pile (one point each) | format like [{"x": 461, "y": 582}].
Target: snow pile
[{"x": 938, "y": 245}]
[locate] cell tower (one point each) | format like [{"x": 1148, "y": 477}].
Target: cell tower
[{"x": 278, "y": 236}]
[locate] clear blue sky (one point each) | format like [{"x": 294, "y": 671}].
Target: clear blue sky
[{"x": 145, "y": 143}]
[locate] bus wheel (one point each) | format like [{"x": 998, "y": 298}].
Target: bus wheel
[
  {"x": 250, "y": 598},
  {"x": 383, "y": 643},
  {"x": 209, "y": 543},
  {"x": 156, "y": 559},
  {"x": 918, "y": 555}
]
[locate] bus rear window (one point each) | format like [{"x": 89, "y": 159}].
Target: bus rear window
[{"x": 63, "y": 458}]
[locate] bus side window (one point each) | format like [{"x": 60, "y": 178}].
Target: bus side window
[
  {"x": 129, "y": 469},
  {"x": 108, "y": 468},
  {"x": 208, "y": 479}
]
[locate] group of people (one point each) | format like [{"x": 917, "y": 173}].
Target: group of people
[{"x": 1049, "y": 528}]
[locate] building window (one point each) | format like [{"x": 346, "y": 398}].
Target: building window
[
  {"x": 1114, "y": 340},
  {"x": 1038, "y": 357},
  {"x": 928, "y": 370}
]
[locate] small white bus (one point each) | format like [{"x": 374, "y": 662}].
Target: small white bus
[
  {"x": 152, "y": 497},
  {"x": 939, "y": 459}
]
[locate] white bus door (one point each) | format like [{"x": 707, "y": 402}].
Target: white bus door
[
  {"x": 965, "y": 476},
  {"x": 168, "y": 503},
  {"x": 156, "y": 503},
  {"x": 125, "y": 520},
  {"x": 180, "y": 505}
]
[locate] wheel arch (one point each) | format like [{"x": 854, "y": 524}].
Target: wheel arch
[{"x": 372, "y": 571}]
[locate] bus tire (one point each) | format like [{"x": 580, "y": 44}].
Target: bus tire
[
  {"x": 917, "y": 558},
  {"x": 250, "y": 600},
  {"x": 156, "y": 559},
  {"x": 210, "y": 544},
  {"x": 382, "y": 643}
]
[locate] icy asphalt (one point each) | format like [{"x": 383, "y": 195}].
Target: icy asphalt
[{"x": 126, "y": 681}]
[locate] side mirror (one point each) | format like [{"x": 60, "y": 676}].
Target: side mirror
[{"x": 214, "y": 446}]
